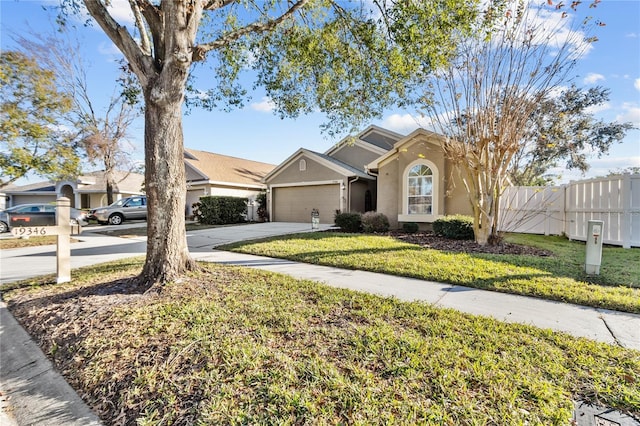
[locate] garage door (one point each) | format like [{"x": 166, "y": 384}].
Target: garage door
[{"x": 294, "y": 204}]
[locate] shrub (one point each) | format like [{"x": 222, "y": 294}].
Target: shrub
[
  {"x": 348, "y": 222},
  {"x": 263, "y": 214},
  {"x": 374, "y": 222},
  {"x": 456, "y": 227},
  {"x": 410, "y": 227},
  {"x": 216, "y": 210}
]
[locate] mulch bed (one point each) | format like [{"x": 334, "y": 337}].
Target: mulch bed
[{"x": 429, "y": 240}]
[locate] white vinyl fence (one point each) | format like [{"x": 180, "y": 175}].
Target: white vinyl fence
[{"x": 567, "y": 209}]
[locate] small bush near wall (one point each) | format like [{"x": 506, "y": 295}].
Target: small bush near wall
[
  {"x": 216, "y": 210},
  {"x": 263, "y": 213},
  {"x": 375, "y": 222},
  {"x": 348, "y": 222},
  {"x": 410, "y": 227},
  {"x": 456, "y": 227}
]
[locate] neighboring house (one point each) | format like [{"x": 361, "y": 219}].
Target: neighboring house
[
  {"x": 407, "y": 178},
  {"x": 215, "y": 174},
  {"x": 87, "y": 191},
  {"x": 334, "y": 181},
  {"x": 206, "y": 174},
  {"x": 416, "y": 183}
]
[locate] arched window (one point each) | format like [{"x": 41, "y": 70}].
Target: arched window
[
  {"x": 420, "y": 190},
  {"x": 303, "y": 165}
]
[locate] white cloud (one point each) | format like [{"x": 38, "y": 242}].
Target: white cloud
[
  {"x": 266, "y": 105},
  {"x": 121, "y": 11},
  {"x": 406, "y": 123},
  {"x": 598, "y": 108},
  {"x": 632, "y": 35},
  {"x": 636, "y": 84},
  {"x": 593, "y": 78},
  {"x": 631, "y": 114},
  {"x": 598, "y": 167}
]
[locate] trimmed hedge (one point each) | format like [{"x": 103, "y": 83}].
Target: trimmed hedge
[
  {"x": 348, "y": 222},
  {"x": 216, "y": 210},
  {"x": 374, "y": 222},
  {"x": 456, "y": 227}
]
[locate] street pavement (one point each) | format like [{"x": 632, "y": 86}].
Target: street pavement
[{"x": 28, "y": 382}]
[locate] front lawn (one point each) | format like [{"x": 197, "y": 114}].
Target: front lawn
[
  {"x": 560, "y": 277},
  {"x": 230, "y": 345}
]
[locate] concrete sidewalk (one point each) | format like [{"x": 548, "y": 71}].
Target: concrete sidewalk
[{"x": 31, "y": 383}]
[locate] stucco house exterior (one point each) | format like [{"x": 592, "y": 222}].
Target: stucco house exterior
[
  {"x": 207, "y": 173},
  {"x": 407, "y": 178},
  {"x": 87, "y": 191},
  {"x": 215, "y": 174},
  {"x": 328, "y": 182},
  {"x": 416, "y": 183}
]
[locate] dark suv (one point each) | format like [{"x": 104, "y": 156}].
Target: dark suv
[
  {"x": 36, "y": 215},
  {"x": 126, "y": 209}
]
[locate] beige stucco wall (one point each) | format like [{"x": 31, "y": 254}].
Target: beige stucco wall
[
  {"x": 451, "y": 195},
  {"x": 314, "y": 172},
  {"x": 388, "y": 183},
  {"x": 457, "y": 200},
  {"x": 29, "y": 199}
]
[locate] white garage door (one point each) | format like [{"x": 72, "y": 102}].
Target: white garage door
[{"x": 294, "y": 204}]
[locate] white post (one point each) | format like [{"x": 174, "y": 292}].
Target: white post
[
  {"x": 63, "y": 218},
  {"x": 593, "y": 258},
  {"x": 626, "y": 222}
]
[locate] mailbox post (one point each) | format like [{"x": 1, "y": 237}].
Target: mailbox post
[
  {"x": 62, "y": 230},
  {"x": 315, "y": 219},
  {"x": 63, "y": 220},
  {"x": 593, "y": 257}
]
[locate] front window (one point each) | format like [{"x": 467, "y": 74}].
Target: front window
[{"x": 420, "y": 190}]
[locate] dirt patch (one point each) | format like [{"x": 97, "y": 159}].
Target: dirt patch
[{"x": 429, "y": 240}]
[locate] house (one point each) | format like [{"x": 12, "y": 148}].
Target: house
[
  {"x": 206, "y": 174},
  {"x": 407, "y": 178},
  {"x": 417, "y": 183},
  {"x": 87, "y": 191},
  {"x": 328, "y": 182},
  {"x": 222, "y": 175}
]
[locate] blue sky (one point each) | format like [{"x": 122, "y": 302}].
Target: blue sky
[{"x": 254, "y": 132}]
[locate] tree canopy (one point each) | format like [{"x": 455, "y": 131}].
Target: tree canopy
[
  {"x": 337, "y": 57},
  {"x": 486, "y": 100},
  {"x": 32, "y": 136},
  {"x": 101, "y": 133},
  {"x": 563, "y": 131}
]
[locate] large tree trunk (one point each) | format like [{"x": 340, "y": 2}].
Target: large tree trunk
[
  {"x": 109, "y": 179},
  {"x": 167, "y": 252}
]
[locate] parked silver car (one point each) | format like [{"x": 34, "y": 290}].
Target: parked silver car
[
  {"x": 36, "y": 215},
  {"x": 125, "y": 209}
]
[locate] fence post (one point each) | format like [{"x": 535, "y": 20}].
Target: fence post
[{"x": 625, "y": 222}]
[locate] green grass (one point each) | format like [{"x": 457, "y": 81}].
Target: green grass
[
  {"x": 560, "y": 277},
  {"x": 12, "y": 243},
  {"x": 231, "y": 345}
]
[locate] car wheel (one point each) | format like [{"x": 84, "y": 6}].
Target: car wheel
[
  {"x": 3, "y": 227},
  {"x": 115, "y": 219}
]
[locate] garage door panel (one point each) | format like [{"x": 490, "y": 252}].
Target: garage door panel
[{"x": 294, "y": 204}]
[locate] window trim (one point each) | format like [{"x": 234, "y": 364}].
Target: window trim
[
  {"x": 404, "y": 216},
  {"x": 302, "y": 165}
]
